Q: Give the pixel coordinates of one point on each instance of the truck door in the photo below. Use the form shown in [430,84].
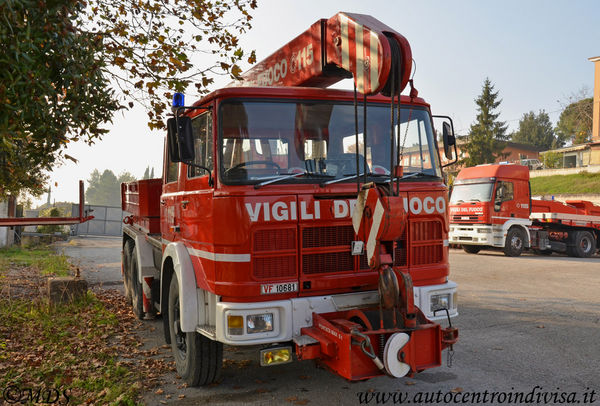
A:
[504,202]
[169,210]
[196,204]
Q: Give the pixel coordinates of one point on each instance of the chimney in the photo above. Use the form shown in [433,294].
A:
[596,111]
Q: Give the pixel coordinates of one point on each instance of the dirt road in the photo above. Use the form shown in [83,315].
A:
[528,324]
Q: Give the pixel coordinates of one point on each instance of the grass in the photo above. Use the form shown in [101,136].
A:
[579,183]
[73,350]
[42,258]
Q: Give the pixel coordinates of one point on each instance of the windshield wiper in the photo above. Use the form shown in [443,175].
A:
[329,182]
[279,178]
[474,200]
[290,176]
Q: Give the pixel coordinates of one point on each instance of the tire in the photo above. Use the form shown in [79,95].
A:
[137,293]
[515,242]
[127,254]
[198,359]
[471,249]
[585,244]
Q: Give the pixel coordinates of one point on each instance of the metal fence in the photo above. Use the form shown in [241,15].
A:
[108,220]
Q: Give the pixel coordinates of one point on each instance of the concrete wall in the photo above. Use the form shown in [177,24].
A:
[564,171]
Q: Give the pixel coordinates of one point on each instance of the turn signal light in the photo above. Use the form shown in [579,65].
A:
[235,325]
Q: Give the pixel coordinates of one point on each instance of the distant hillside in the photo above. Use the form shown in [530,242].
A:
[578,183]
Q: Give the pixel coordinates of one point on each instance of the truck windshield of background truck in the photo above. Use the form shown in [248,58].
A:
[472,192]
[316,140]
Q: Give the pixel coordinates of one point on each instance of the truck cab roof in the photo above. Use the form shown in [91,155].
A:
[504,171]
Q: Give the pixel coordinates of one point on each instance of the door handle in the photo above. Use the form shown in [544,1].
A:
[184,203]
[163,202]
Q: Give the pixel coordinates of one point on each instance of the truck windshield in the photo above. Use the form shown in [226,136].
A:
[473,192]
[262,140]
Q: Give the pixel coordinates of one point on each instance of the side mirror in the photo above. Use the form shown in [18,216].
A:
[449,139]
[180,139]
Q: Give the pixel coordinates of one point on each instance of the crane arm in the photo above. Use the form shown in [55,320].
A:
[345,46]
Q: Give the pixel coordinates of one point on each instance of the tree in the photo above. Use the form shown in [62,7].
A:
[486,135]
[575,122]
[52,90]
[59,59]
[150,45]
[148,173]
[105,189]
[536,129]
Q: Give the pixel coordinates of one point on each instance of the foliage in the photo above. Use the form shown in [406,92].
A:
[150,45]
[536,129]
[51,228]
[52,90]
[105,189]
[148,173]
[575,122]
[486,136]
[583,182]
[59,59]
[552,160]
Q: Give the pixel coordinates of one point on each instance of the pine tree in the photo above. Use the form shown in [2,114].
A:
[487,135]
[152,173]
[146,173]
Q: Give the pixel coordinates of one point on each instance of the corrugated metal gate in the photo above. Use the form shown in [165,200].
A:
[108,220]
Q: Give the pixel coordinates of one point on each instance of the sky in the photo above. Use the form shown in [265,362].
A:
[534,52]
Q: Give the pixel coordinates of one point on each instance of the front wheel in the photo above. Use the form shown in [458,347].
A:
[515,242]
[198,359]
[471,249]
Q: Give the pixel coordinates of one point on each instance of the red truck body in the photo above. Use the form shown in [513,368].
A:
[481,218]
[252,242]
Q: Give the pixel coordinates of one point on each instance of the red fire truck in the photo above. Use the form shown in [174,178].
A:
[303,220]
[491,206]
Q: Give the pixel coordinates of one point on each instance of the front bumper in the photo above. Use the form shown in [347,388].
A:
[476,234]
[289,316]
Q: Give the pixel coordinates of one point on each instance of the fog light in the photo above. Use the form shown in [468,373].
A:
[235,325]
[440,302]
[275,356]
[259,323]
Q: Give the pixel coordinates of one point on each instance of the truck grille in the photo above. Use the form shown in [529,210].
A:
[274,253]
[427,245]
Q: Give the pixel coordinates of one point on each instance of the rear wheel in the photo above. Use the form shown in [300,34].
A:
[198,359]
[471,249]
[515,242]
[137,293]
[585,244]
[127,254]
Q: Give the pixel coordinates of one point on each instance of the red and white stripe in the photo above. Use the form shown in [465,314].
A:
[361,53]
[147,294]
[367,219]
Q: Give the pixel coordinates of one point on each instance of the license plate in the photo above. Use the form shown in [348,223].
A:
[274,288]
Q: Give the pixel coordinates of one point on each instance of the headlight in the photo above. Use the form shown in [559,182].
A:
[259,323]
[440,302]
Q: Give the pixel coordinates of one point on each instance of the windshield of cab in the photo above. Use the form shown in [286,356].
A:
[309,141]
[473,192]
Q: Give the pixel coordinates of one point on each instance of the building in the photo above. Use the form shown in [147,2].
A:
[512,152]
